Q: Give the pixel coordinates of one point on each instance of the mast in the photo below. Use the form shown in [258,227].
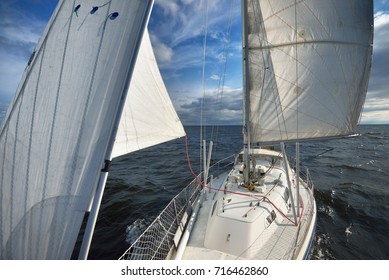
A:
[246,95]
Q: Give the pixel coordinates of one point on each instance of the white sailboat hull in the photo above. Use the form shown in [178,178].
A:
[227,221]
[235,223]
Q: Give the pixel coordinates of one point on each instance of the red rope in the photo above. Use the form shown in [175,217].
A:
[190,165]
[238,193]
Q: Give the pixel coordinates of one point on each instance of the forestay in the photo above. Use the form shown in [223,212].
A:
[56,131]
[309,67]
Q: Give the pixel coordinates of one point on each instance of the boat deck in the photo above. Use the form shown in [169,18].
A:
[281,245]
[195,249]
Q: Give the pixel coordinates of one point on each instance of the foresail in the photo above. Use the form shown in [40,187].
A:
[309,67]
[149,117]
[55,134]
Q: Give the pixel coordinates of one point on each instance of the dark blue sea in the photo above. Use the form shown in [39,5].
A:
[351,177]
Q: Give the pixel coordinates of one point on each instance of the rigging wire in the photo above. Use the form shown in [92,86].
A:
[296,69]
[202,127]
[220,90]
[214,134]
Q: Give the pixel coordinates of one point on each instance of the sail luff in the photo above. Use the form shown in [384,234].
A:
[309,67]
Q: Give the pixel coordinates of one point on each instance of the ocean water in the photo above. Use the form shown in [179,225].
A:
[351,178]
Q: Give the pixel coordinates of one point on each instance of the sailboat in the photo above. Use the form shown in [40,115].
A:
[306,66]
[81,102]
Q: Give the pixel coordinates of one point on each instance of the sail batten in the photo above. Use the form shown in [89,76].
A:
[309,67]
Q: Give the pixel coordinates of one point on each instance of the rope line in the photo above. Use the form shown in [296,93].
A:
[239,193]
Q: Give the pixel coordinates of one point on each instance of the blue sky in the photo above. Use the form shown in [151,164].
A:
[176,29]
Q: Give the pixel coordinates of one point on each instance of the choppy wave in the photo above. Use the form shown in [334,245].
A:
[135,229]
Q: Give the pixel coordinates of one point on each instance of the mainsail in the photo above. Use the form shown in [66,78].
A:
[55,135]
[309,65]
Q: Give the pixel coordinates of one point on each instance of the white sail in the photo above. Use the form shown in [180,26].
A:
[148,117]
[309,67]
[55,134]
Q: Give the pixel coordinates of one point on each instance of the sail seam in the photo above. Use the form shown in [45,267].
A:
[31,136]
[311,116]
[13,165]
[44,193]
[294,140]
[273,46]
[1,190]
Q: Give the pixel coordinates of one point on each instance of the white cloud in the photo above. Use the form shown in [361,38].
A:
[177,28]
[220,107]
[21,35]
[380,18]
[376,109]
[11,70]
[178,23]
[215,77]
[187,2]
[162,52]
[169,7]
[381,31]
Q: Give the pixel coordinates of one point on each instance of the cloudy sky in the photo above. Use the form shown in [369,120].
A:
[177,28]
